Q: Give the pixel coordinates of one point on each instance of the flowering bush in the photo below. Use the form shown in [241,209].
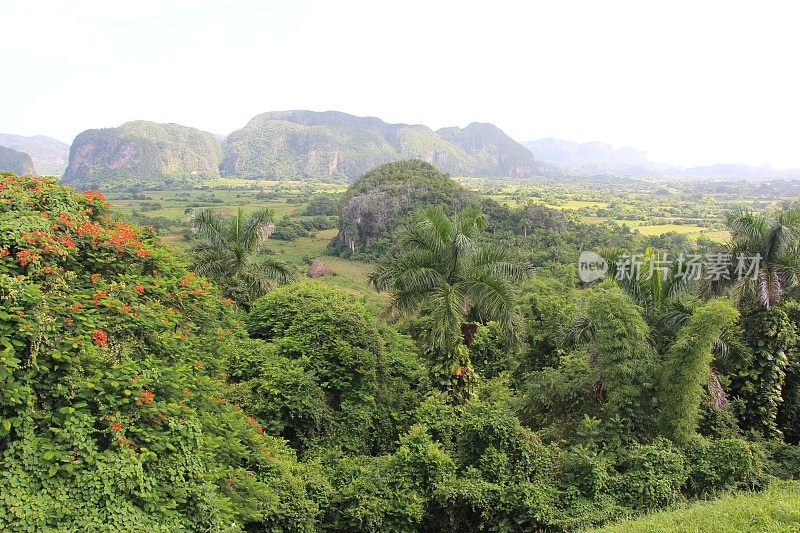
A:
[112,410]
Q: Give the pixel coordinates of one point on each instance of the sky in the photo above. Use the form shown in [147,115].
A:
[688,82]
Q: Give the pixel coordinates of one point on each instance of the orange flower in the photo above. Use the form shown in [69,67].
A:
[126,308]
[26,256]
[94,196]
[116,426]
[100,337]
[95,277]
[139,289]
[145,397]
[77,306]
[97,295]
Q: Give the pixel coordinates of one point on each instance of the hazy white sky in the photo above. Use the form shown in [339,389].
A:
[688,82]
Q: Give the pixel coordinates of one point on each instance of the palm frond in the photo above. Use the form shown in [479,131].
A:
[275,270]
[492,298]
[747,225]
[444,316]
[209,225]
[500,262]
[256,229]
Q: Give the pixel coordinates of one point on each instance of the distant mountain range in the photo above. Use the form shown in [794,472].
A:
[328,145]
[595,158]
[289,145]
[49,155]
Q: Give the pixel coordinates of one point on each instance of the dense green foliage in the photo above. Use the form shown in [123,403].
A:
[113,414]
[325,205]
[440,273]
[134,396]
[355,377]
[761,368]
[687,368]
[291,228]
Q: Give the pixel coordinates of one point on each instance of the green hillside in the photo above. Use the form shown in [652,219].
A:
[494,152]
[334,145]
[142,153]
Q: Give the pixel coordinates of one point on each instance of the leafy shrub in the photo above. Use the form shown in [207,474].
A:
[323,205]
[280,391]
[549,311]
[586,469]
[490,352]
[292,228]
[366,374]
[652,476]
[789,410]
[722,465]
[687,367]
[761,370]
[783,460]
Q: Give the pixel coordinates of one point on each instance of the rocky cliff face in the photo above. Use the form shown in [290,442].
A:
[142,152]
[19,163]
[494,152]
[380,201]
[49,155]
[302,144]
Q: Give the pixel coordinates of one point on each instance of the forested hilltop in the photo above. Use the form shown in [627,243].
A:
[471,382]
[143,154]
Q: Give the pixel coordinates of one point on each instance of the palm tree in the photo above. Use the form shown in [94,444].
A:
[228,251]
[441,273]
[655,285]
[775,239]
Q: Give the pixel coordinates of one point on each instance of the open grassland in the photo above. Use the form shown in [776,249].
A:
[775,510]
[659,229]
